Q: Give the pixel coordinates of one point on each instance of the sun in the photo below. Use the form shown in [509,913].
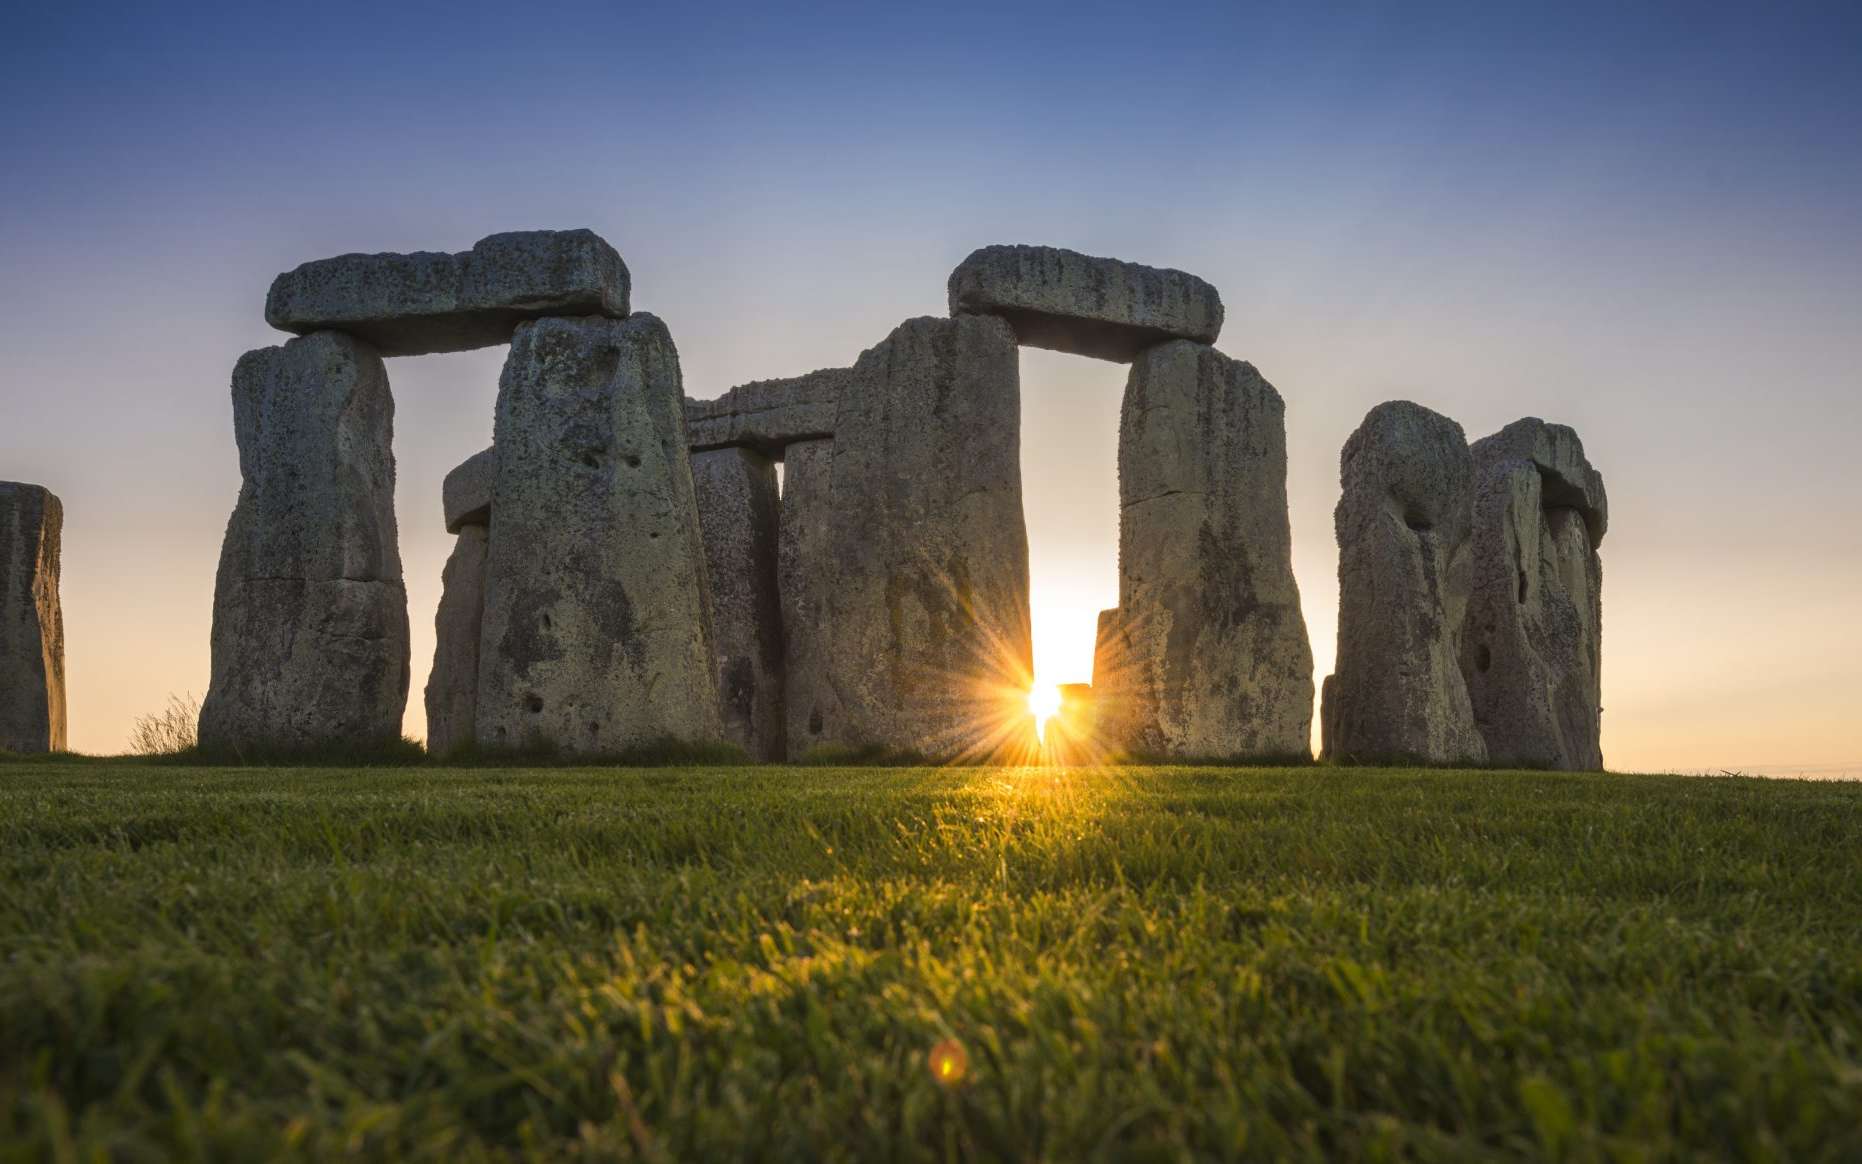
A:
[1044,704]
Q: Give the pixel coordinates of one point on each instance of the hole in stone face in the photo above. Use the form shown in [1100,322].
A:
[533,704]
[590,459]
[1483,658]
[593,728]
[1417,521]
[547,624]
[633,460]
[1522,588]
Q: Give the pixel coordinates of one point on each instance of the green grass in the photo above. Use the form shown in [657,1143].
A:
[695,964]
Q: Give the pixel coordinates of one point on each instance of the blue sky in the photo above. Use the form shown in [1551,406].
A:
[1640,220]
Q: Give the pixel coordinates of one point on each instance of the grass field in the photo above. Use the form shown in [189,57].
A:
[693,964]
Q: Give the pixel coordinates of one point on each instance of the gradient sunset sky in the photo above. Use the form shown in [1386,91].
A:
[1644,221]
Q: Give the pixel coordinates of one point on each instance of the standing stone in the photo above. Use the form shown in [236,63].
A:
[309,613]
[1105,308]
[1403,574]
[452,685]
[32,627]
[1532,650]
[1214,645]
[596,636]
[465,494]
[428,301]
[905,557]
[736,490]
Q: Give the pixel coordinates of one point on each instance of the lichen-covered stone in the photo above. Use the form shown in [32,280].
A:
[407,304]
[452,685]
[597,633]
[904,554]
[1070,302]
[737,506]
[465,494]
[1403,523]
[767,415]
[1213,645]
[1532,646]
[32,629]
[310,649]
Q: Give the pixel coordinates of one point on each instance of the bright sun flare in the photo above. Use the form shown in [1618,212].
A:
[1044,703]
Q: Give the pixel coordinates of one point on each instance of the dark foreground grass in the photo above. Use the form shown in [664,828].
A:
[1136,963]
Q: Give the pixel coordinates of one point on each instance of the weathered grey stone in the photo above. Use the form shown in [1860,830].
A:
[597,633]
[433,302]
[767,415]
[1532,647]
[1089,306]
[310,644]
[32,627]
[1403,574]
[905,557]
[1215,649]
[736,491]
[465,494]
[452,685]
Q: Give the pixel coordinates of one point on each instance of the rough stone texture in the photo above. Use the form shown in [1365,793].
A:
[767,415]
[1403,526]
[452,685]
[32,627]
[905,557]
[1214,645]
[433,302]
[466,493]
[1071,302]
[597,636]
[1532,647]
[309,612]
[736,490]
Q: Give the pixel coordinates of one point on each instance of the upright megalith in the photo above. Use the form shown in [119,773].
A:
[452,685]
[32,627]
[1403,524]
[736,491]
[310,644]
[905,556]
[1532,648]
[1070,302]
[596,636]
[407,304]
[1213,645]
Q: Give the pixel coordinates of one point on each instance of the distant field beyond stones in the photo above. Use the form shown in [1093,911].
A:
[857,964]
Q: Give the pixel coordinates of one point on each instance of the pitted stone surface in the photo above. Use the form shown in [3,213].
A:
[1532,646]
[452,685]
[1403,525]
[767,415]
[597,633]
[906,614]
[736,490]
[1216,658]
[407,304]
[310,643]
[1070,302]
[465,494]
[32,628]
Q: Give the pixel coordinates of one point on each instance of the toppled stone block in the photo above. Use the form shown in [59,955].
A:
[408,304]
[32,628]
[310,648]
[736,491]
[1212,642]
[465,494]
[1070,302]
[1532,647]
[452,685]
[597,630]
[767,415]
[905,557]
[1403,525]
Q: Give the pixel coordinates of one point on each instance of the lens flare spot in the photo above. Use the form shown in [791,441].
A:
[1043,704]
[950,1063]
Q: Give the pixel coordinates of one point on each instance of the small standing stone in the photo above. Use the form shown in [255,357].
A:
[1214,647]
[1403,524]
[452,685]
[310,646]
[1532,651]
[597,633]
[32,629]
[736,490]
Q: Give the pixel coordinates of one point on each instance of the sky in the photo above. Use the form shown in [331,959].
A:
[1644,221]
